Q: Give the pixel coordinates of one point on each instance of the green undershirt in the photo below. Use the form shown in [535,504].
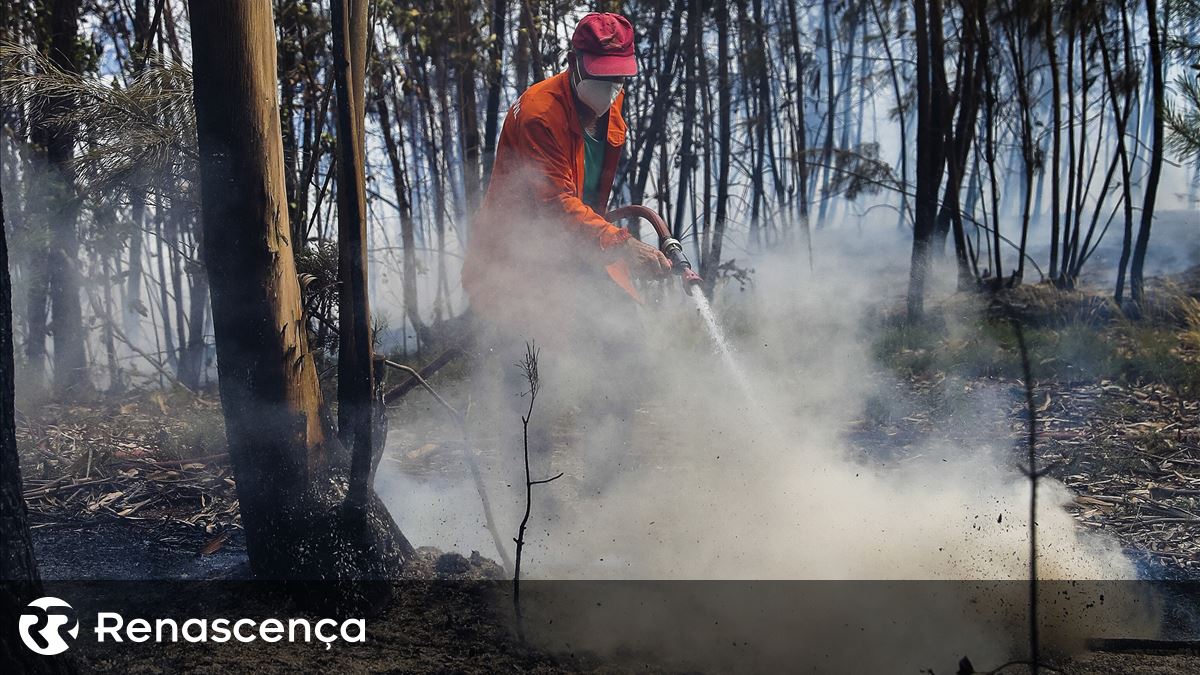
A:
[593,165]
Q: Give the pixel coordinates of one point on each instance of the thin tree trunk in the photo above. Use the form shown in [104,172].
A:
[192,365]
[801,129]
[1071,159]
[706,224]
[931,102]
[724,105]
[468,120]
[16,556]
[1126,163]
[444,188]
[1056,143]
[993,182]
[831,109]
[758,72]
[355,358]
[901,117]
[1016,45]
[529,46]
[495,77]
[175,242]
[958,142]
[656,126]
[687,155]
[164,299]
[62,263]
[1157,88]
[401,188]
[521,56]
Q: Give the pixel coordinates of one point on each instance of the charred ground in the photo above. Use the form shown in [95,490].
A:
[144,481]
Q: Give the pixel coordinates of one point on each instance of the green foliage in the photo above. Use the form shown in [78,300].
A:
[1183,115]
[141,134]
[1183,119]
[1157,356]
[1072,353]
[317,269]
[861,171]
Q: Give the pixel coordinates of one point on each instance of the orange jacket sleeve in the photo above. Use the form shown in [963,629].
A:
[554,186]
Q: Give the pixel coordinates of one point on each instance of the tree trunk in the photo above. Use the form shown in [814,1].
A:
[191,366]
[529,49]
[1056,133]
[468,109]
[931,99]
[724,105]
[687,154]
[62,211]
[393,147]
[801,58]
[355,354]
[959,140]
[18,569]
[831,108]
[990,157]
[37,320]
[290,52]
[1157,88]
[1016,42]
[758,72]
[901,115]
[164,300]
[1126,163]
[495,78]
[290,473]
[1068,214]
[656,125]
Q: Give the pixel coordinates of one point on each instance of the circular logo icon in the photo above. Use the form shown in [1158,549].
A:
[45,625]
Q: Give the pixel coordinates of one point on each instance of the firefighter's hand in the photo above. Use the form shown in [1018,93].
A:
[644,259]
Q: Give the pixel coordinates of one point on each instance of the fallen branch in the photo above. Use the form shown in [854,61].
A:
[418,378]
[461,421]
[42,492]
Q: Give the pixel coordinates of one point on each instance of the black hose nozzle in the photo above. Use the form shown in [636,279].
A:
[670,246]
[679,263]
[674,252]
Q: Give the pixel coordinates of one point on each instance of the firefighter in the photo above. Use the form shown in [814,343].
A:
[540,243]
[542,263]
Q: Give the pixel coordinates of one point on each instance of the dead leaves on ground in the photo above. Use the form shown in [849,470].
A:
[148,459]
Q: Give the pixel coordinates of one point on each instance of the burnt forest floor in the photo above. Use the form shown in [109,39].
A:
[140,486]
[1117,404]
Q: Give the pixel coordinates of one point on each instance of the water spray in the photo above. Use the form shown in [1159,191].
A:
[671,248]
[669,245]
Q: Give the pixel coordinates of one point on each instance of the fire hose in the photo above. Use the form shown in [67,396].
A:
[669,245]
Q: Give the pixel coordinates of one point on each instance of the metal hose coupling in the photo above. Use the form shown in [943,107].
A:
[669,245]
[679,263]
[674,252]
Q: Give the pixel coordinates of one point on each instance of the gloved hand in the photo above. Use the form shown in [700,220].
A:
[645,260]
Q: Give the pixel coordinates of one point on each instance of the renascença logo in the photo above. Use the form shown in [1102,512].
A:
[45,623]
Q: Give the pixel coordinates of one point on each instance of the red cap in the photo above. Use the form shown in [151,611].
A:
[605,44]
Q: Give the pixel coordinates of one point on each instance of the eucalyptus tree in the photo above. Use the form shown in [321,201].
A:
[291,472]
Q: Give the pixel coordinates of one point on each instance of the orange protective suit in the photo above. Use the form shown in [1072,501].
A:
[535,250]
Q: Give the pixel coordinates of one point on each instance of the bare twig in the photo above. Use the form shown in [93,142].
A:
[458,419]
[1032,472]
[530,368]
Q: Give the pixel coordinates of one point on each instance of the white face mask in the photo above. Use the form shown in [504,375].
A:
[598,95]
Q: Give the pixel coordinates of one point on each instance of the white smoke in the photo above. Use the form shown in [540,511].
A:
[699,484]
